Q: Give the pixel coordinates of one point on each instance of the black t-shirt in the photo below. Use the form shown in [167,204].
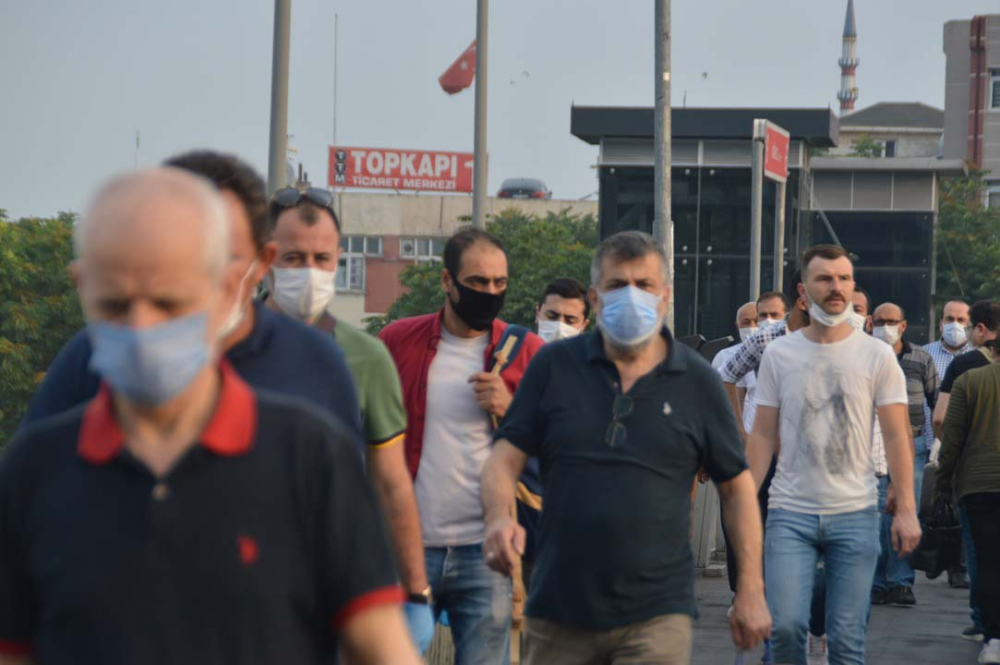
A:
[613,545]
[257,545]
[960,365]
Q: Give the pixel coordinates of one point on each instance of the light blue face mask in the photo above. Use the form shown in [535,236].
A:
[629,316]
[150,365]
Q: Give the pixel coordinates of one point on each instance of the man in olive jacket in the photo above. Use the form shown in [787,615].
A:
[969,462]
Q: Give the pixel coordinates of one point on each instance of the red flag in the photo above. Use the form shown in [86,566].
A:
[459,76]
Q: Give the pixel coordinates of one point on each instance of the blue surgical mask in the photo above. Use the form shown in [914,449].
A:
[150,365]
[629,316]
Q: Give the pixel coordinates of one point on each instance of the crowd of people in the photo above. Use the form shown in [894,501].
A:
[218,469]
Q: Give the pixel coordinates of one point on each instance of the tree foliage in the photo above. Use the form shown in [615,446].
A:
[866,146]
[539,250]
[968,241]
[39,310]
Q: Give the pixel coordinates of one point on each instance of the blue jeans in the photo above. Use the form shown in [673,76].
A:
[478,602]
[793,544]
[891,572]
[970,565]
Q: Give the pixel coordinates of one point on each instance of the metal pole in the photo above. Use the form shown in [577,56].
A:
[663,223]
[336,43]
[278,147]
[479,145]
[779,237]
[756,200]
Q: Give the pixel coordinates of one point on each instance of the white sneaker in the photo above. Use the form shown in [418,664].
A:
[816,654]
[990,652]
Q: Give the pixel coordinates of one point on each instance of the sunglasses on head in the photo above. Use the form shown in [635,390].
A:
[289,197]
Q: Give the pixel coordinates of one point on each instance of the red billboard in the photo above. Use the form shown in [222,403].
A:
[385,168]
[776,142]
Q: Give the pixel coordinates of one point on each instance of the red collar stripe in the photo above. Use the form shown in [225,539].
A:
[230,432]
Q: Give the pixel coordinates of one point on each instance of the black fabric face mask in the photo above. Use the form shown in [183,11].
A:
[477,309]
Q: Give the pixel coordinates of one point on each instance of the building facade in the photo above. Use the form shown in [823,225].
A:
[896,129]
[972,96]
[385,233]
[883,210]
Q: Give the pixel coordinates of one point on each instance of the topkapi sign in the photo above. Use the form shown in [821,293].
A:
[383,168]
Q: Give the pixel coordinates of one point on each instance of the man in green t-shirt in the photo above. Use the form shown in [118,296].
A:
[301,284]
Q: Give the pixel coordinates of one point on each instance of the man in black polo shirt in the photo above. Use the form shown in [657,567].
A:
[621,419]
[179,517]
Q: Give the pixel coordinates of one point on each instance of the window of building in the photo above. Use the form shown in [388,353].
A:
[422,248]
[889,149]
[995,88]
[351,268]
[993,196]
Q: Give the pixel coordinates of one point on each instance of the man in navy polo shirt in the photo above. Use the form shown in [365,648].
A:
[621,420]
[180,517]
[266,349]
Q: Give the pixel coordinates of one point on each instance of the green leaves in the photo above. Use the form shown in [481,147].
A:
[539,250]
[39,311]
[968,241]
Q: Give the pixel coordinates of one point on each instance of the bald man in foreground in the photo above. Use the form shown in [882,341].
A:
[180,517]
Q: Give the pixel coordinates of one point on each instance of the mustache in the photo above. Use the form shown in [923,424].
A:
[835,298]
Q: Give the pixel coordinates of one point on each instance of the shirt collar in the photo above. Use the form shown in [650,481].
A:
[674,362]
[230,432]
[496,331]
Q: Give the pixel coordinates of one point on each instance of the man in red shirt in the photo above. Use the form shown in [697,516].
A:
[451,397]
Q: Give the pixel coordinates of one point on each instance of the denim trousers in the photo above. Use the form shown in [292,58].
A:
[891,572]
[848,546]
[477,600]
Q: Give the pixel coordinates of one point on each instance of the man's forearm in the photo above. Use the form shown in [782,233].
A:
[760,452]
[737,406]
[498,490]
[399,503]
[899,455]
[742,517]
[940,410]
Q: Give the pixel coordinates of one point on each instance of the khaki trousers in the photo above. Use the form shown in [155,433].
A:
[664,640]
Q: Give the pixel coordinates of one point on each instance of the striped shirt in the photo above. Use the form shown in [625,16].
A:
[747,358]
[922,383]
[942,356]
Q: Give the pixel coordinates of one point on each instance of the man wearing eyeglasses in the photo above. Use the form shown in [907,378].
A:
[621,419]
[305,230]
[894,578]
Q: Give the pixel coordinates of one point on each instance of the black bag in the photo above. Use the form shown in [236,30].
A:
[940,546]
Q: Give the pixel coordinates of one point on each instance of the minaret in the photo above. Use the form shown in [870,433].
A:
[848,63]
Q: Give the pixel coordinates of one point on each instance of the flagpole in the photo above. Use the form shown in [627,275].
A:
[479,144]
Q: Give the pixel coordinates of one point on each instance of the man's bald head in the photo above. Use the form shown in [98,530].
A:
[746,316]
[890,311]
[152,210]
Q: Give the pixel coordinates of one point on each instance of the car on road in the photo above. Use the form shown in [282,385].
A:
[523,188]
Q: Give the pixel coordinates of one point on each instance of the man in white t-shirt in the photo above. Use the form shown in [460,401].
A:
[817,389]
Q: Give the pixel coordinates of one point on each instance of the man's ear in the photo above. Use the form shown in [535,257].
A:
[902,327]
[446,281]
[594,299]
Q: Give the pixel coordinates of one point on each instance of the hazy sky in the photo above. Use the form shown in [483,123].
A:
[79,78]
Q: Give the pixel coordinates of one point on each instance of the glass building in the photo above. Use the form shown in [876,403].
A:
[881,210]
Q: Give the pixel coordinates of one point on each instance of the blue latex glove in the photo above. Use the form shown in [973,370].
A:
[420,620]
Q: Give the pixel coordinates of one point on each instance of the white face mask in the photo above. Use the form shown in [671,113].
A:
[858,321]
[235,317]
[303,293]
[888,334]
[822,317]
[767,323]
[745,333]
[955,335]
[551,331]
